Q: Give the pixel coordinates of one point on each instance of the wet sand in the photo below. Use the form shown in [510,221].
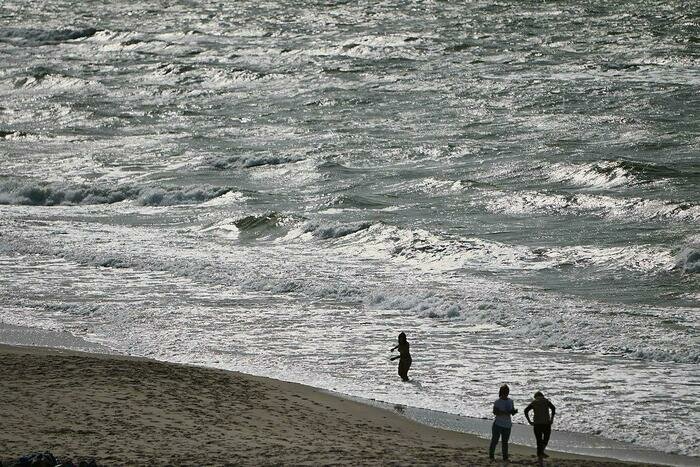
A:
[132,411]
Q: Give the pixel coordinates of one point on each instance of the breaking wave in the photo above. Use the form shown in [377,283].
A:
[158,196]
[274,225]
[12,134]
[255,226]
[426,250]
[550,321]
[36,193]
[527,202]
[30,37]
[335,231]
[229,162]
[688,259]
[46,78]
[426,304]
[256,223]
[366,201]
[609,174]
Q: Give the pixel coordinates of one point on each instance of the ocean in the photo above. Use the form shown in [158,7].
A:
[282,187]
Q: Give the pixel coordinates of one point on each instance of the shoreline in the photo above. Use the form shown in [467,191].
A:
[561,441]
[133,410]
[462,433]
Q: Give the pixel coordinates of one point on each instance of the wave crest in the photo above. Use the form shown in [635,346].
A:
[259,225]
[357,201]
[527,202]
[157,196]
[324,232]
[34,37]
[425,250]
[246,162]
[36,193]
[41,77]
[610,173]
[601,174]
[426,304]
[688,259]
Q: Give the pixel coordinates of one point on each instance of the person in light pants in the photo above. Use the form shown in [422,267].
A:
[503,408]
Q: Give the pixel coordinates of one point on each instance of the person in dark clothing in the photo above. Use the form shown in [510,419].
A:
[542,423]
[503,408]
[404,356]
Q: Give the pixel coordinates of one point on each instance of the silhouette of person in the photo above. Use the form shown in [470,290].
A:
[404,356]
[503,408]
[542,423]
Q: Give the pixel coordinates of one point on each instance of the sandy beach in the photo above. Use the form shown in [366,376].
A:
[133,411]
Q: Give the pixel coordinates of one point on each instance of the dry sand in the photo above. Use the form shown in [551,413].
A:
[130,411]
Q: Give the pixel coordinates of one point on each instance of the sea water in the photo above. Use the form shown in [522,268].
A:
[282,187]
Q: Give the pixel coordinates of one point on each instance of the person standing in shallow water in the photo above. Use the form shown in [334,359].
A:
[542,423]
[503,408]
[404,356]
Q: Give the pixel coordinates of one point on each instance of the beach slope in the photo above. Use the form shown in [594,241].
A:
[132,411]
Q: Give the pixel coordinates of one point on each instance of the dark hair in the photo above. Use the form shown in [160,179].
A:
[402,338]
[538,394]
[504,391]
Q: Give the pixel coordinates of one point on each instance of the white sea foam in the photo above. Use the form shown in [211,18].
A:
[380,47]
[525,202]
[563,323]
[430,252]
[226,229]
[439,186]
[52,82]
[605,174]
[229,198]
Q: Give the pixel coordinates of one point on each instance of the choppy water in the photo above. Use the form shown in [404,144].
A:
[282,187]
